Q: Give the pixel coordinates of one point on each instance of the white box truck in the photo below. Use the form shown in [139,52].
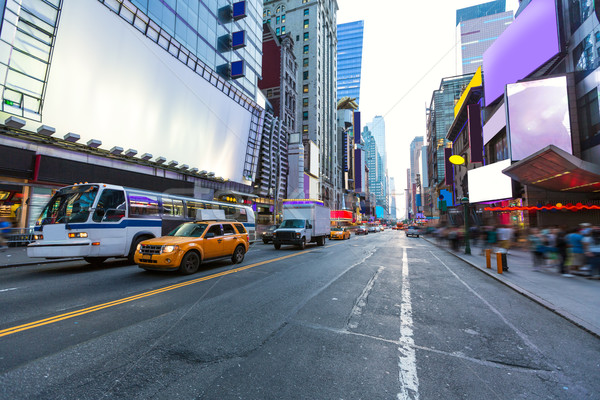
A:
[303,222]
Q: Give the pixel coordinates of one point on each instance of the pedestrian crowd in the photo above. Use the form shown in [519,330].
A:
[571,251]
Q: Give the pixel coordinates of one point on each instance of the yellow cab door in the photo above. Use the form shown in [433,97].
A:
[229,239]
[213,242]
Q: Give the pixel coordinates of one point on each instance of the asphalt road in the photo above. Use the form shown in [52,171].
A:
[374,317]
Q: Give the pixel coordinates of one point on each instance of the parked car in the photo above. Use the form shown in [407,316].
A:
[267,236]
[339,233]
[361,230]
[373,228]
[412,231]
[192,243]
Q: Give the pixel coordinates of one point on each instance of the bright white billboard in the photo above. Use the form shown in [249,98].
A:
[488,183]
[109,82]
[538,116]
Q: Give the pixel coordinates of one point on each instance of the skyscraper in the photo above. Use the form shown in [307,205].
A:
[440,116]
[314,31]
[476,29]
[349,55]
[377,129]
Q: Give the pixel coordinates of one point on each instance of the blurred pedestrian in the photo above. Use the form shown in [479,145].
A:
[536,246]
[505,235]
[4,228]
[575,252]
[593,254]
[561,249]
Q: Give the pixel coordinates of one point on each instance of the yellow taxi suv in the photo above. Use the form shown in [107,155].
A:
[339,233]
[192,243]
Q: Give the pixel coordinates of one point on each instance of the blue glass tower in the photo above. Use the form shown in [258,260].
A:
[349,57]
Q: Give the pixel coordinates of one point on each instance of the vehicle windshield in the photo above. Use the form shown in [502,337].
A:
[272,228]
[336,229]
[69,205]
[293,223]
[188,229]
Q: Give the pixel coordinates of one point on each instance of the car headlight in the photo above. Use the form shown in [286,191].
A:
[169,249]
[139,248]
[38,237]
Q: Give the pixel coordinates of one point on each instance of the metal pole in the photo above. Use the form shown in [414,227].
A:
[465,202]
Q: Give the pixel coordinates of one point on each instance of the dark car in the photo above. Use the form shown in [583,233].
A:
[361,230]
[267,236]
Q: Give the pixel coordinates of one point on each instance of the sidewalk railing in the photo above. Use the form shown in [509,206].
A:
[16,237]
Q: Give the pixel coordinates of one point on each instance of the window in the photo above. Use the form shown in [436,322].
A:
[282,30]
[278,9]
[192,209]
[277,20]
[305,1]
[240,228]
[305,36]
[304,128]
[305,62]
[228,229]
[589,118]
[305,75]
[305,49]
[111,206]
[142,205]
[269,21]
[216,230]
[283,19]
[305,24]
[305,102]
[305,115]
[269,92]
[305,89]
[306,11]
[172,207]
[277,32]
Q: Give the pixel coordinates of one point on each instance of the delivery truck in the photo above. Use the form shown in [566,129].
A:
[303,222]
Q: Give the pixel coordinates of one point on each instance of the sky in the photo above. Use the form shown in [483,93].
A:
[408,48]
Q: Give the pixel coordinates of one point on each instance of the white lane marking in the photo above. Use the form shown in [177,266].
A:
[361,302]
[9,289]
[407,363]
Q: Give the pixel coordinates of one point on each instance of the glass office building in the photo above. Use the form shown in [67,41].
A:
[476,29]
[349,55]
[197,25]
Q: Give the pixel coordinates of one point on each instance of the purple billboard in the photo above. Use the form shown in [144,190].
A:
[528,43]
[538,116]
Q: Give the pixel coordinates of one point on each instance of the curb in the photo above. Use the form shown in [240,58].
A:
[24,264]
[541,301]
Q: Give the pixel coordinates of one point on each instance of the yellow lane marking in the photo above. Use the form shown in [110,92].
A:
[76,313]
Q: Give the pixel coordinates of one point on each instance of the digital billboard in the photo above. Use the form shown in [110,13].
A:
[489,183]
[109,82]
[538,116]
[528,43]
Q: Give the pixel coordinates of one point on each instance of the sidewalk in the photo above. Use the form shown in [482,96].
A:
[576,299]
[15,256]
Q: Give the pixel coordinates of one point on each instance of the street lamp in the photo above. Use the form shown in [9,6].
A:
[465,203]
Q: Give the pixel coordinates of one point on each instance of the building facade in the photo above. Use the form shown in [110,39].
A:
[349,58]
[476,29]
[162,94]
[313,27]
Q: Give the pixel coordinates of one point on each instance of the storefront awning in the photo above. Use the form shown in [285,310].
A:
[556,170]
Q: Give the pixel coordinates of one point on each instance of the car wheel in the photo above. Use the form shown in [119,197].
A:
[302,244]
[277,246]
[95,260]
[134,245]
[190,263]
[238,255]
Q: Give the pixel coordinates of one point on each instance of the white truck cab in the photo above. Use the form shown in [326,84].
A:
[303,223]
